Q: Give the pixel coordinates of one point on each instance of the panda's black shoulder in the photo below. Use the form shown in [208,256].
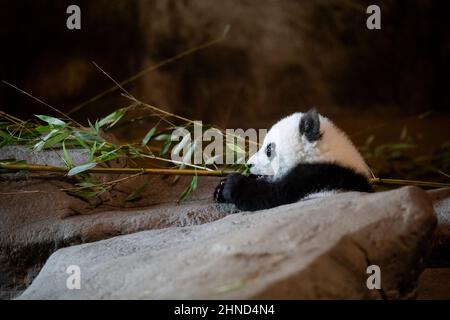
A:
[323,176]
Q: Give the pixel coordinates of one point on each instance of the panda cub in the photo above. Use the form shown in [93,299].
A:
[302,155]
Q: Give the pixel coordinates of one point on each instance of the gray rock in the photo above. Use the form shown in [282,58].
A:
[315,249]
[434,283]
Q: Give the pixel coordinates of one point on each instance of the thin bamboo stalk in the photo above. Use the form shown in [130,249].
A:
[147,70]
[402,182]
[193,172]
[178,172]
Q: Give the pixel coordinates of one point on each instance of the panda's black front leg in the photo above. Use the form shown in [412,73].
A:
[248,193]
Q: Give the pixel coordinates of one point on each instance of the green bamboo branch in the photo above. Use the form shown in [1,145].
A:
[149,171]
[402,182]
[192,172]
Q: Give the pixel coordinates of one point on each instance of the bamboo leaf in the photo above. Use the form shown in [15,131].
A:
[194,183]
[148,136]
[134,152]
[235,148]
[111,119]
[245,170]
[4,135]
[185,194]
[92,152]
[41,144]
[165,148]
[175,179]
[369,140]
[42,129]
[189,189]
[82,143]
[5,138]
[50,134]
[55,139]
[87,137]
[163,137]
[82,168]
[94,127]
[137,194]
[66,156]
[52,121]
[86,184]
[107,156]
[85,195]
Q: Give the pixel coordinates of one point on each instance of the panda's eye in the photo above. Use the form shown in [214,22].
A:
[270,150]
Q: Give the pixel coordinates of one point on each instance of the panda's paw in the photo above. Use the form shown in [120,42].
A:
[226,189]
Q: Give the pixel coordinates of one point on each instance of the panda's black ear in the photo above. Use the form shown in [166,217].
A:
[310,125]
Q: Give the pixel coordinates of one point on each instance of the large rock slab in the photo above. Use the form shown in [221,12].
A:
[314,249]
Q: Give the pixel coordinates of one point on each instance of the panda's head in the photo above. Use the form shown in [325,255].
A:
[304,138]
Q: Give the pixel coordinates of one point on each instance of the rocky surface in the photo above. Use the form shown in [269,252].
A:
[441,248]
[318,248]
[221,259]
[37,218]
[34,225]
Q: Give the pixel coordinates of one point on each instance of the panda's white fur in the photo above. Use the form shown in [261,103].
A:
[292,148]
[303,156]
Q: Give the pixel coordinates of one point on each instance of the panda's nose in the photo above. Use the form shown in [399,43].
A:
[250,165]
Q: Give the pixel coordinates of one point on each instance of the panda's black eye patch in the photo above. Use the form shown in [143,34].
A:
[270,150]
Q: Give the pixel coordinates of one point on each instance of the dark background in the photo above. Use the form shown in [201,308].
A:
[279,57]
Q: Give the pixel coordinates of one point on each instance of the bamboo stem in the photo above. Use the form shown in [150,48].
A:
[193,172]
[402,182]
[152,171]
